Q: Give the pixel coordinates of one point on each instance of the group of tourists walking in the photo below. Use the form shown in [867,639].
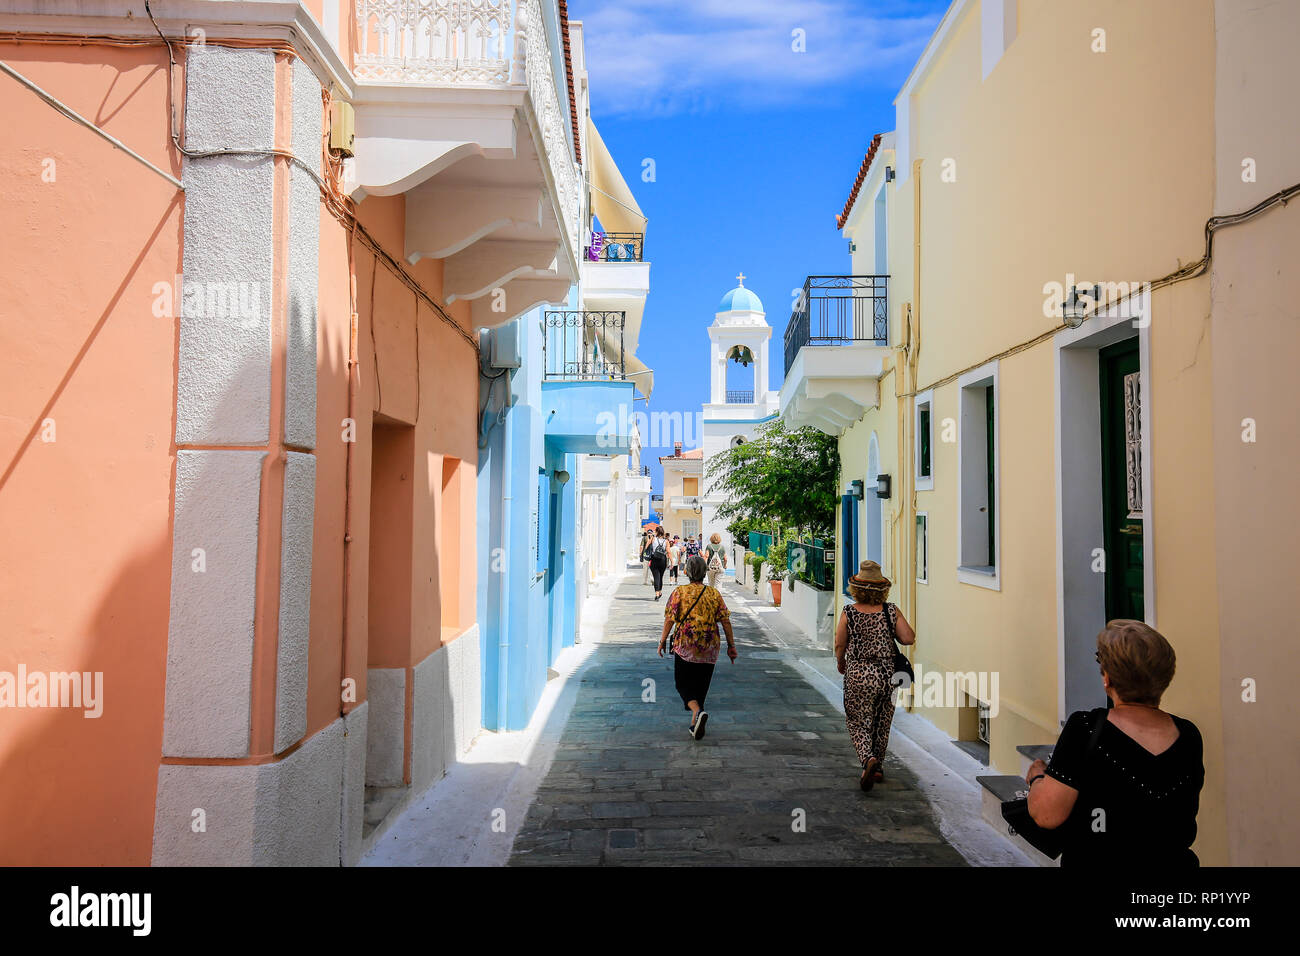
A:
[1130,764]
[663,554]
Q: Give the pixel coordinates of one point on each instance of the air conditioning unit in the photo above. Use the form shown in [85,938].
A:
[505,348]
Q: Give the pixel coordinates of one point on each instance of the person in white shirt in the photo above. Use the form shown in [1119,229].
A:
[674,557]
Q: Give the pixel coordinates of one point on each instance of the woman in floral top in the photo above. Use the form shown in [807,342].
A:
[698,610]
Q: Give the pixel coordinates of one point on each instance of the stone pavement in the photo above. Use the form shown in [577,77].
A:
[774,781]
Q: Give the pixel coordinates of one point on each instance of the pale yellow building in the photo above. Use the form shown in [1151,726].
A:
[683,491]
[1042,478]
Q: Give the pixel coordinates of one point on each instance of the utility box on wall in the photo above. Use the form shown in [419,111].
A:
[343,127]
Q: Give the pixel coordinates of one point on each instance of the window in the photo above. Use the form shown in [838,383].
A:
[922,547]
[978,497]
[924,441]
[690,487]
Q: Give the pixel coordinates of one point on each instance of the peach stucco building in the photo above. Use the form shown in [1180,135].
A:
[239,429]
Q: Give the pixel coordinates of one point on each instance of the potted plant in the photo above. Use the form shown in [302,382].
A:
[777,571]
[756,566]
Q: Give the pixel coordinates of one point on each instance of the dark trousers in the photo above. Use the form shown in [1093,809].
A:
[658,565]
[673,569]
[692,680]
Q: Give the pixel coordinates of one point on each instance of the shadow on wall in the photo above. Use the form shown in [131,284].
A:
[78,790]
[73,789]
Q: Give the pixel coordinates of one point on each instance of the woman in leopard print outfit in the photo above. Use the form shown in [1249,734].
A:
[864,652]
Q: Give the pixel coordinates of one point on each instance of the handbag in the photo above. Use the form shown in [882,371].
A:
[672,635]
[901,664]
[1050,843]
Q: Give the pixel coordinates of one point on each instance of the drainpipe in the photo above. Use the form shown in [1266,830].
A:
[353,322]
[487,421]
[503,618]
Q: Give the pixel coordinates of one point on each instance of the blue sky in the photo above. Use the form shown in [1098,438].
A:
[755,148]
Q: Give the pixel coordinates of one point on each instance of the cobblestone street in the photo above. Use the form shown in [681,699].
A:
[775,779]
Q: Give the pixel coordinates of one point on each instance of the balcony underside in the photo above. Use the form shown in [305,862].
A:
[482,192]
[831,387]
[588,417]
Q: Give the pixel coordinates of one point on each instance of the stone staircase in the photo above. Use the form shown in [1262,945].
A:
[1001,787]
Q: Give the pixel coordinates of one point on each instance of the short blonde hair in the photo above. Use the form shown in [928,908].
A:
[715,538]
[869,593]
[1138,660]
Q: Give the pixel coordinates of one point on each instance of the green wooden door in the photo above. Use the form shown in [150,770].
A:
[1121,464]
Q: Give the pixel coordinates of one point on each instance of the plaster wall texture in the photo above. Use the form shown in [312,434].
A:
[386,727]
[285,813]
[295,599]
[224,374]
[210,633]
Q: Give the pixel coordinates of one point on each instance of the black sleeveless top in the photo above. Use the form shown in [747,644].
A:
[1134,807]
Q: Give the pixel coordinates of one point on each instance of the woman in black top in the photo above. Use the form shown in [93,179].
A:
[658,560]
[1124,783]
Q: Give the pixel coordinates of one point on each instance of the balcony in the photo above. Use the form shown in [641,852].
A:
[737,396]
[616,278]
[836,347]
[616,247]
[583,346]
[685,502]
[459,108]
[838,310]
[586,392]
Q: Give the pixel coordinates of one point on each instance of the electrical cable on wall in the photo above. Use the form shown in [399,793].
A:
[1190,271]
[330,192]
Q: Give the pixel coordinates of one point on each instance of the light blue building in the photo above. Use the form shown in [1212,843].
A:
[546,402]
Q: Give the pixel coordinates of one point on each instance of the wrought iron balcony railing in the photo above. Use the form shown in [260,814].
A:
[838,310]
[583,346]
[736,396]
[616,247]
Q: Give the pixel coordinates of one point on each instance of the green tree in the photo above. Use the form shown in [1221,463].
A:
[780,480]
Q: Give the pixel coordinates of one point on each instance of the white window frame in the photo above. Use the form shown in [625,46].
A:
[922,398]
[984,376]
[923,577]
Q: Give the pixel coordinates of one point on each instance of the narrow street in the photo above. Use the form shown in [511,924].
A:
[774,781]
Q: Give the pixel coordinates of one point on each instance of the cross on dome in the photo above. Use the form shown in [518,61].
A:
[741,279]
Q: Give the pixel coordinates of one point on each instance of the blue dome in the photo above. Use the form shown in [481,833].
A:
[740,299]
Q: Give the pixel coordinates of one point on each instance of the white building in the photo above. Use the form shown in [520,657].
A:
[739,399]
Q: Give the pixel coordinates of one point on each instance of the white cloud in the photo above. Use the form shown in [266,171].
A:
[669,56]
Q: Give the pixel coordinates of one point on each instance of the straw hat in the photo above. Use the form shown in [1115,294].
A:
[869,575]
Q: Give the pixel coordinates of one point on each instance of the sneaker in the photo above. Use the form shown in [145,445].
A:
[697,729]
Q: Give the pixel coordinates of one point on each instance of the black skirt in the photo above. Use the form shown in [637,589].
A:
[692,680]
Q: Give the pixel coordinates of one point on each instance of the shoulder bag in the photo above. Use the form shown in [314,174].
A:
[901,664]
[677,623]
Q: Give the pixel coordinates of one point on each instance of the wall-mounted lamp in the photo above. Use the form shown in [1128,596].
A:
[695,504]
[882,486]
[889,174]
[1074,311]
[855,490]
